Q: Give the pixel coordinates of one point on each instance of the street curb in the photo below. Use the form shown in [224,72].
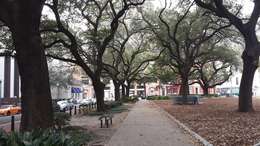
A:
[192,133]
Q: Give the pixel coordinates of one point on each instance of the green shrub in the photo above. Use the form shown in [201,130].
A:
[130,99]
[78,134]
[112,104]
[158,98]
[210,95]
[61,119]
[38,137]
[118,109]
[115,104]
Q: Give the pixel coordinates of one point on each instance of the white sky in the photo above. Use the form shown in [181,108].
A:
[246,10]
[247,4]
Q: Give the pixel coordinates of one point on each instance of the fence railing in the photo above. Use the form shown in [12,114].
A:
[75,110]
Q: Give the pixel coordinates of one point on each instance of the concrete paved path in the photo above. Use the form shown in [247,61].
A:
[146,125]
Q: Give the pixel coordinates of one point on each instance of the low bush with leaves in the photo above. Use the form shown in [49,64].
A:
[48,137]
[130,99]
[158,98]
[210,96]
[61,119]
[113,104]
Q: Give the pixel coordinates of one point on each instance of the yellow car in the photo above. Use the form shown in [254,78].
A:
[8,110]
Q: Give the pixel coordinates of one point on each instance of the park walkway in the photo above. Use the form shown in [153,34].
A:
[146,125]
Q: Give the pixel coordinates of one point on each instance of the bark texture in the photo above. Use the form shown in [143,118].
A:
[99,88]
[117,90]
[24,20]
[245,91]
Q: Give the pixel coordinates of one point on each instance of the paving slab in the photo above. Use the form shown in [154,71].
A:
[146,125]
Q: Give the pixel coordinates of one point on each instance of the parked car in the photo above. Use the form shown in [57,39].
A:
[9,110]
[74,101]
[85,101]
[93,100]
[64,105]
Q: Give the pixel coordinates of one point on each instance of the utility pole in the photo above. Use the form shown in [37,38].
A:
[7,71]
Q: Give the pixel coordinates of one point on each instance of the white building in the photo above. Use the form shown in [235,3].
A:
[232,85]
[12,79]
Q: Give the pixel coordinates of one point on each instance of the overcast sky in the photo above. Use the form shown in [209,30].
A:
[247,4]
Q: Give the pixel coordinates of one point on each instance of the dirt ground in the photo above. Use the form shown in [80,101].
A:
[100,135]
[218,121]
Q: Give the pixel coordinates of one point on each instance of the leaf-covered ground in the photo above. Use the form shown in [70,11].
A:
[218,121]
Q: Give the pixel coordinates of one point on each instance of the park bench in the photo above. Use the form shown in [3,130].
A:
[107,118]
[193,99]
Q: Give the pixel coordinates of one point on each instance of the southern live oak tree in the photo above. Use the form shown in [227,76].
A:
[23,20]
[55,71]
[184,33]
[6,42]
[215,68]
[101,20]
[162,70]
[134,50]
[113,56]
[128,55]
[251,52]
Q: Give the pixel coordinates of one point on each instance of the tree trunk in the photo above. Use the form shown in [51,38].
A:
[128,86]
[245,92]
[99,88]
[32,64]
[145,95]
[159,88]
[184,91]
[127,90]
[205,90]
[123,90]
[117,90]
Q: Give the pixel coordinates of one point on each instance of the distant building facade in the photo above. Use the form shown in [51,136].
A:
[9,78]
[231,87]
[81,86]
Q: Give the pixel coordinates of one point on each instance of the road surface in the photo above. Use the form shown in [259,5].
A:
[5,122]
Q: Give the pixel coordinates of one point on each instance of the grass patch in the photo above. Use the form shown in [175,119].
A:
[158,98]
[114,107]
[119,109]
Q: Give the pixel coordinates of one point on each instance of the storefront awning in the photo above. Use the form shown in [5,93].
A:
[75,90]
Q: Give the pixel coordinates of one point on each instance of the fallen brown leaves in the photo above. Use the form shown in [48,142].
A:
[218,121]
